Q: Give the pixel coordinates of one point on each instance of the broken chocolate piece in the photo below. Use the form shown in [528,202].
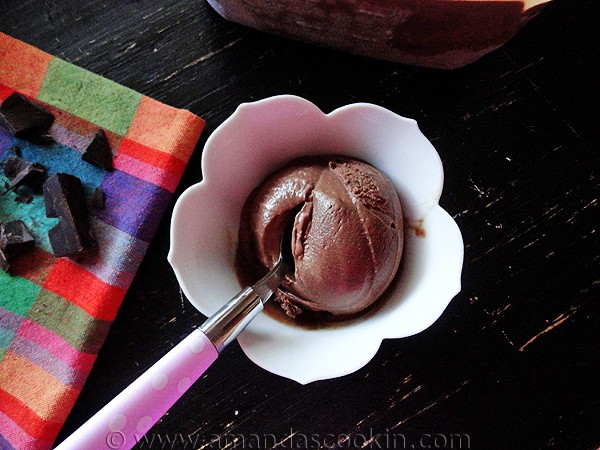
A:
[17,150]
[25,119]
[21,172]
[99,153]
[64,199]
[99,199]
[12,165]
[4,265]
[15,237]
[24,196]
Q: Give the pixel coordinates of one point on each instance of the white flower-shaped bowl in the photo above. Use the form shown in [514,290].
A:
[260,138]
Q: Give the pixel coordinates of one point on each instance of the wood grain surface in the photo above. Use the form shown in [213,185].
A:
[514,361]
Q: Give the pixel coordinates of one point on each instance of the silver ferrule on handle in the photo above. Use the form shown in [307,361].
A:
[229,321]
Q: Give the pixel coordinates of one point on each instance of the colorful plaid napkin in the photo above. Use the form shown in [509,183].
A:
[56,312]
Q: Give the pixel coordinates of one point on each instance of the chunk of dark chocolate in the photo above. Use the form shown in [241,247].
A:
[64,199]
[25,119]
[99,153]
[17,150]
[15,237]
[99,199]
[12,166]
[21,172]
[24,196]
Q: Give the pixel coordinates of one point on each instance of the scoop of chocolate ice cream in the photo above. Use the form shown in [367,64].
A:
[347,234]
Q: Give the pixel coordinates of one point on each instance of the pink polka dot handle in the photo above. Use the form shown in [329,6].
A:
[123,421]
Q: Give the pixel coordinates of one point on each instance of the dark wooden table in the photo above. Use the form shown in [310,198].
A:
[514,361]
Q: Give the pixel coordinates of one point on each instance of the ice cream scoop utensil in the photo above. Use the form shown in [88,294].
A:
[126,418]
